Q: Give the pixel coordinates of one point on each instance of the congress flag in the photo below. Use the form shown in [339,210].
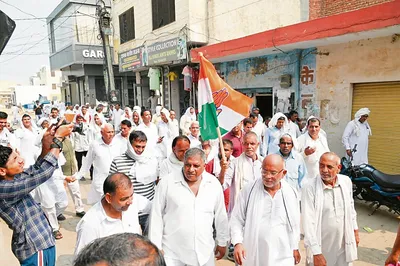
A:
[219,104]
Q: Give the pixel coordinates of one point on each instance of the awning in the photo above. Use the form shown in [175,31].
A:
[372,22]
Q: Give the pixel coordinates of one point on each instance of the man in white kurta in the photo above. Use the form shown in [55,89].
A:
[26,138]
[101,153]
[194,135]
[174,162]
[357,132]
[117,114]
[117,212]
[123,136]
[185,207]
[174,124]
[247,168]
[328,215]
[311,145]
[150,129]
[265,222]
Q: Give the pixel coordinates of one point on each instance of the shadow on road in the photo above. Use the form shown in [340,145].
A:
[65,260]
[372,255]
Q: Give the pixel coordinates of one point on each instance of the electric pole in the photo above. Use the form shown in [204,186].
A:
[105,33]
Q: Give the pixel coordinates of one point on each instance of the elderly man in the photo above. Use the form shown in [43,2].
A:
[32,233]
[185,207]
[311,145]
[194,135]
[357,132]
[174,162]
[265,223]
[236,137]
[133,249]
[294,162]
[141,166]
[101,153]
[328,215]
[247,168]
[117,212]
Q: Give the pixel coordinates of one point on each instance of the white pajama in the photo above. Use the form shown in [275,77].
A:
[175,262]
[75,193]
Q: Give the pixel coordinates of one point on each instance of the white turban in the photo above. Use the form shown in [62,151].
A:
[357,116]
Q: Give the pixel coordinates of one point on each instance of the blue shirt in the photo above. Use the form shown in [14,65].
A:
[296,169]
[271,143]
[31,229]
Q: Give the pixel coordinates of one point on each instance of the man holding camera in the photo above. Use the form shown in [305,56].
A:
[32,240]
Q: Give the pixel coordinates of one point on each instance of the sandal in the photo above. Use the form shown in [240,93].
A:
[57,235]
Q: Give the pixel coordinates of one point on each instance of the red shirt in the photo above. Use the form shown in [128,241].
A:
[237,143]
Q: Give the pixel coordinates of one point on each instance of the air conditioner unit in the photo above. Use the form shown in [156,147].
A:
[286,81]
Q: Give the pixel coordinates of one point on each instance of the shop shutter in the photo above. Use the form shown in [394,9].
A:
[383,99]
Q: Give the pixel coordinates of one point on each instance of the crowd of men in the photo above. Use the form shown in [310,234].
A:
[270,183]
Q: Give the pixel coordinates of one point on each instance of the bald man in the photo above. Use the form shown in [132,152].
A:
[328,215]
[268,210]
[101,153]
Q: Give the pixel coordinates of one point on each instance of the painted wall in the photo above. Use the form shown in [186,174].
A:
[234,19]
[372,60]
[265,72]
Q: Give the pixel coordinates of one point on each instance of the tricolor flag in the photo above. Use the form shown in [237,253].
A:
[219,104]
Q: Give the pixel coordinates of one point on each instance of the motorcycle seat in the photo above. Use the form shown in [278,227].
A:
[385,180]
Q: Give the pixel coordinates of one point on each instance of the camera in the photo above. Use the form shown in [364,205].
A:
[77,127]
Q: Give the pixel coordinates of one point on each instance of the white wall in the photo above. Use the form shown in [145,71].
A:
[231,19]
[372,60]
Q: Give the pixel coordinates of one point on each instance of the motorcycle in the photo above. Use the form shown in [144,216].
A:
[372,185]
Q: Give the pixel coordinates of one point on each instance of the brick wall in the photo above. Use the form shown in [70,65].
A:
[324,8]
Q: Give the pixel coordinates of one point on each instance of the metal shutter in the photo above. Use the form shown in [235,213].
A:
[383,99]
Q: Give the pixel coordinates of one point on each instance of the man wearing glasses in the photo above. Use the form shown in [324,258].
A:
[357,132]
[265,222]
[294,162]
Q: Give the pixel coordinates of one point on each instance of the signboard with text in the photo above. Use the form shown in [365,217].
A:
[166,51]
[131,59]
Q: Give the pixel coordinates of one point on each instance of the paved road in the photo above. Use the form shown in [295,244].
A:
[373,248]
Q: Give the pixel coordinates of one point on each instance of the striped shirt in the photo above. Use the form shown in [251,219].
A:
[31,229]
[123,164]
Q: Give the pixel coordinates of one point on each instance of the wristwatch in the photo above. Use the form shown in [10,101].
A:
[56,144]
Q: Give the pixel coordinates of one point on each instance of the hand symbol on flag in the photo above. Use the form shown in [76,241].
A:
[219,97]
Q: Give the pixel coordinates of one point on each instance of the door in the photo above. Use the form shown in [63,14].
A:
[264,103]
[383,100]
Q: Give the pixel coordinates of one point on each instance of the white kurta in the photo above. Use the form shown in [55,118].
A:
[271,225]
[164,130]
[312,160]
[181,224]
[350,139]
[169,165]
[151,132]
[101,156]
[194,142]
[96,223]
[329,220]
[117,117]
[174,128]
[27,148]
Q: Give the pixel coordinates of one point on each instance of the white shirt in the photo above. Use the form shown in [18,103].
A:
[101,156]
[81,142]
[181,223]
[174,128]
[96,224]
[294,129]
[350,139]
[194,142]
[123,142]
[7,138]
[151,133]
[27,148]
[169,165]
[117,116]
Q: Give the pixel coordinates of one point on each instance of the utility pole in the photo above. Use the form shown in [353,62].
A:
[105,33]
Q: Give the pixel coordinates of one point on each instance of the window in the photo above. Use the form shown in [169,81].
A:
[54,86]
[53,74]
[163,12]
[127,26]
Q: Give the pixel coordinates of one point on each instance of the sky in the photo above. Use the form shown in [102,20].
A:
[28,49]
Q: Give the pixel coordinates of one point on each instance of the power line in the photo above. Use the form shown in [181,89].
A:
[46,36]
[44,18]
[19,9]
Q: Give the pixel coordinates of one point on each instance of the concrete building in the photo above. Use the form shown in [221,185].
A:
[334,64]
[76,50]
[157,34]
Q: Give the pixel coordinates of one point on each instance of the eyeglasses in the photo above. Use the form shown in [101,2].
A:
[269,173]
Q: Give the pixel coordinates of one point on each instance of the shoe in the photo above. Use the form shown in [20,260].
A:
[57,235]
[82,179]
[80,214]
[61,217]
[230,257]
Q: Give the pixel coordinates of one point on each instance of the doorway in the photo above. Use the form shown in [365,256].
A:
[265,104]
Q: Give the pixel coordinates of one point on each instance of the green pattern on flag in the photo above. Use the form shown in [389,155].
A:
[208,121]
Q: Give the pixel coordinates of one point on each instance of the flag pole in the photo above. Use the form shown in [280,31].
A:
[221,145]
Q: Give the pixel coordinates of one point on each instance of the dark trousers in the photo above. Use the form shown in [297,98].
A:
[144,224]
[79,155]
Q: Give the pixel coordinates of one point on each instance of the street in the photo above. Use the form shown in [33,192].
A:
[373,249]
